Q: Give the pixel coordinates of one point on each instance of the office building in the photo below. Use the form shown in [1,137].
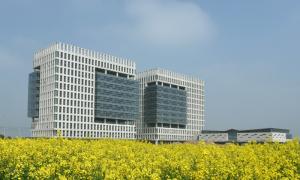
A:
[263,135]
[171,105]
[79,93]
[244,136]
[218,136]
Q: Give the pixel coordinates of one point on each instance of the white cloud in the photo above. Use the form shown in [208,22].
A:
[169,22]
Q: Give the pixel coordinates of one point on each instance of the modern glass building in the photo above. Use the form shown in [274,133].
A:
[172,106]
[81,93]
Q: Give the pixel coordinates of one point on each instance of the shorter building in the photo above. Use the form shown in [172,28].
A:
[243,136]
[263,135]
[219,136]
[171,106]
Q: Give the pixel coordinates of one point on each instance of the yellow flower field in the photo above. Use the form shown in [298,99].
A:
[118,159]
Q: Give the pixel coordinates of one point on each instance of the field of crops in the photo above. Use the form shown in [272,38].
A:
[115,159]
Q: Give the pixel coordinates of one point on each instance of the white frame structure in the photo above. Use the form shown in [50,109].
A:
[67,92]
[195,107]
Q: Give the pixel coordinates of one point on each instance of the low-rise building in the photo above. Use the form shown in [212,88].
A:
[218,136]
[263,135]
[243,136]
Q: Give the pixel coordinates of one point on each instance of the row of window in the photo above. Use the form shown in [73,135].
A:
[67,102]
[159,131]
[71,110]
[72,72]
[68,79]
[71,87]
[101,127]
[66,94]
[166,137]
[74,118]
[194,86]
[89,61]
[81,134]
[87,134]
[73,65]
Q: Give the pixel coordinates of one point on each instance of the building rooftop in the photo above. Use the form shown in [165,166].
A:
[70,48]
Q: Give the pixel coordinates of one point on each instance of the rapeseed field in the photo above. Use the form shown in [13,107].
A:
[60,158]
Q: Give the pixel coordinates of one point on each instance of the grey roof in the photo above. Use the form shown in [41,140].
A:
[266,130]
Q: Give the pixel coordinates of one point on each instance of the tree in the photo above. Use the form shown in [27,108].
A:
[1,136]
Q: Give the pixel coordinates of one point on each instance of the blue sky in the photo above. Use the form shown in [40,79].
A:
[246,51]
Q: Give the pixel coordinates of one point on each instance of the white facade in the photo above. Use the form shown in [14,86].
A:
[195,107]
[67,92]
[214,137]
[261,137]
[244,136]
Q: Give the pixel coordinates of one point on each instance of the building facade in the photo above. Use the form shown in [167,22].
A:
[77,93]
[263,135]
[244,136]
[219,136]
[171,105]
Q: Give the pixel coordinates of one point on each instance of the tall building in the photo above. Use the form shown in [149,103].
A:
[80,93]
[172,106]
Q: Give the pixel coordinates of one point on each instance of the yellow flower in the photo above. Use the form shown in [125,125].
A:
[60,158]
